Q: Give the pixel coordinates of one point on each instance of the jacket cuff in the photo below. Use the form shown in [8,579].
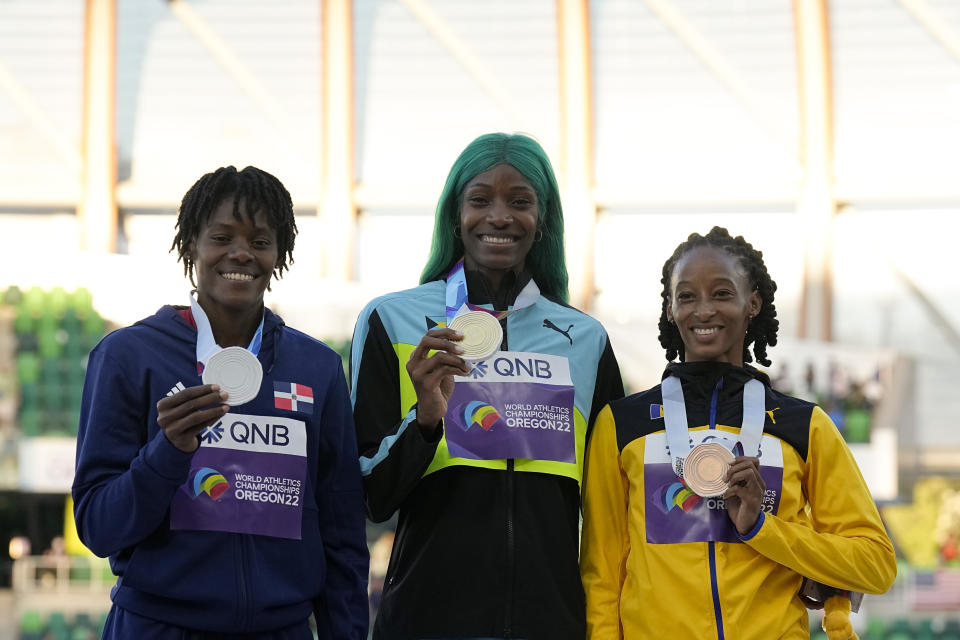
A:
[166,460]
[756,528]
[434,438]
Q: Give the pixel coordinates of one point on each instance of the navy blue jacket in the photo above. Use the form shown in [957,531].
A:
[128,472]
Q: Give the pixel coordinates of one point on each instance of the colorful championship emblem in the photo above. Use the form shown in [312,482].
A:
[479,413]
[676,494]
[211,482]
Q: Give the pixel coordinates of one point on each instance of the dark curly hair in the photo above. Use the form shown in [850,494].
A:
[762,330]
[259,190]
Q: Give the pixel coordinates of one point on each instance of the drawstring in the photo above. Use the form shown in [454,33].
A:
[277,336]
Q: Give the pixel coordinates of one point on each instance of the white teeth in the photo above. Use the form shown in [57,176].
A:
[705,332]
[497,239]
[242,277]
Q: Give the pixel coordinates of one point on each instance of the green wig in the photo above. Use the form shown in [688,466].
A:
[545,261]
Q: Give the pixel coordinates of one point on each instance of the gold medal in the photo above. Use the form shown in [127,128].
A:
[482,335]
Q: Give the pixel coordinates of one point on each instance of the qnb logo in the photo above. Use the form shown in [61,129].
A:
[518,367]
[210,482]
[213,433]
[479,370]
[479,413]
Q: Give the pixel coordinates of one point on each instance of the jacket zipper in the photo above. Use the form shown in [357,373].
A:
[511,543]
[711,546]
[508,609]
[243,598]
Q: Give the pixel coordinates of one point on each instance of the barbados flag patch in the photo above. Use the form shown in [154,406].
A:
[656,411]
[293,397]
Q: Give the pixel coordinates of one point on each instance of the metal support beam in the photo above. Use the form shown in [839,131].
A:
[98,207]
[816,201]
[935,25]
[473,64]
[235,67]
[337,209]
[724,70]
[576,146]
[31,110]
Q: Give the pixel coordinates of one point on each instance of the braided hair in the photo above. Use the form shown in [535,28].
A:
[257,189]
[762,330]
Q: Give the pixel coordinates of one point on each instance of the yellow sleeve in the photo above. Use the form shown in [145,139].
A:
[847,546]
[604,543]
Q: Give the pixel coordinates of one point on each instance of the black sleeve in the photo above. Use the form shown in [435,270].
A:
[393,452]
[609,384]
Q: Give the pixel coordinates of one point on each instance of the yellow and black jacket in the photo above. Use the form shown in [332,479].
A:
[659,562]
[484,548]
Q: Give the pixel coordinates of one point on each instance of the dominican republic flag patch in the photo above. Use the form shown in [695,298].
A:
[293,397]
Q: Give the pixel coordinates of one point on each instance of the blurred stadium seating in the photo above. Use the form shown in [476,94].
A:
[53,331]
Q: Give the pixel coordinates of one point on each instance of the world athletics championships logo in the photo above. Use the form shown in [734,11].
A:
[211,482]
[675,494]
[480,413]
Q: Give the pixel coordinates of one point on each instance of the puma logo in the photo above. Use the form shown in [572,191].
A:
[770,413]
[549,325]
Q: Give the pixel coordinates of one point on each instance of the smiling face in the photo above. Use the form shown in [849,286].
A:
[234,260]
[711,302]
[498,222]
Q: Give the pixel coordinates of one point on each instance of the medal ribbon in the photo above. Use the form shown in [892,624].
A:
[206,344]
[675,420]
[457,299]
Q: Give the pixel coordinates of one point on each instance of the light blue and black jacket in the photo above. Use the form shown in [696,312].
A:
[484,548]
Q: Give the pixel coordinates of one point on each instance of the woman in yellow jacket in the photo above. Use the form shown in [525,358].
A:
[712,541]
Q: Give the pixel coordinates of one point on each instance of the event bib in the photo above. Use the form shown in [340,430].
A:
[248,476]
[674,513]
[513,405]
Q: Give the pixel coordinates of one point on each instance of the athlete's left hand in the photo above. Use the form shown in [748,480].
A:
[744,495]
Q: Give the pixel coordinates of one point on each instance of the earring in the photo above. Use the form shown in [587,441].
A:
[456,231]
[538,236]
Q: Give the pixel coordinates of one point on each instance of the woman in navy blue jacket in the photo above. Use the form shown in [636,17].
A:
[224,517]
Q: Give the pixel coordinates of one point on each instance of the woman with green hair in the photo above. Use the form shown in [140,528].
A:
[481,454]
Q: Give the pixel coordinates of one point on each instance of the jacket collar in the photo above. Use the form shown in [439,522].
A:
[700,378]
[480,292]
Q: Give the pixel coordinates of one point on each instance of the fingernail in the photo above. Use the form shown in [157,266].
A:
[224,395]
[457,349]
[214,387]
[457,333]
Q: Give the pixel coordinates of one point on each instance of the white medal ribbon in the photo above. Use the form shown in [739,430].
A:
[675,420]
[206,344]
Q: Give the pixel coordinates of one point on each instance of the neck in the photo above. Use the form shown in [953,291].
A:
[233,328]
[496,279]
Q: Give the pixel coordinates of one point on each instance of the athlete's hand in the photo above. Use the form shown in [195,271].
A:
[185,414]
[432,375]
[744,495]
